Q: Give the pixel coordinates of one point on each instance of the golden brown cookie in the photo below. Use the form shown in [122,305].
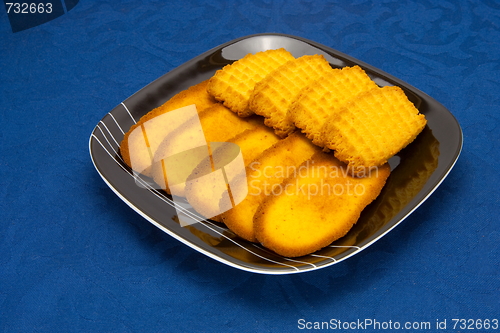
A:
[234,83]
[317,101]
[373,127]
[316,206]
[201,191]
[143,144]
[273,95]
[218,124]
[262,175]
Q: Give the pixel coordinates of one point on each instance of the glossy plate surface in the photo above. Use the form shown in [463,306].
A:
[416,171]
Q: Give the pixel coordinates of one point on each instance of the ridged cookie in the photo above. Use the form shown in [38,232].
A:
[373,127]
[234,83]
[273,95]
[322,97]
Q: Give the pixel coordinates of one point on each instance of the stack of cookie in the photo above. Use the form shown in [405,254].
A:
[315,141]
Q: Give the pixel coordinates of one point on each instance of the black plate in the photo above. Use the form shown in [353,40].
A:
[417,170]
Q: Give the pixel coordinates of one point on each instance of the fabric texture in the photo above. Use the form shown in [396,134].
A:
[75,258]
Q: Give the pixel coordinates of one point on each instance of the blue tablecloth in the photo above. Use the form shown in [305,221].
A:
[75,258]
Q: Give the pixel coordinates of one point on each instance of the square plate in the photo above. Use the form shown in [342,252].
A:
[416,171]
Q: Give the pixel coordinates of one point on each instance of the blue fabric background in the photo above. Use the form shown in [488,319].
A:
[75,258]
